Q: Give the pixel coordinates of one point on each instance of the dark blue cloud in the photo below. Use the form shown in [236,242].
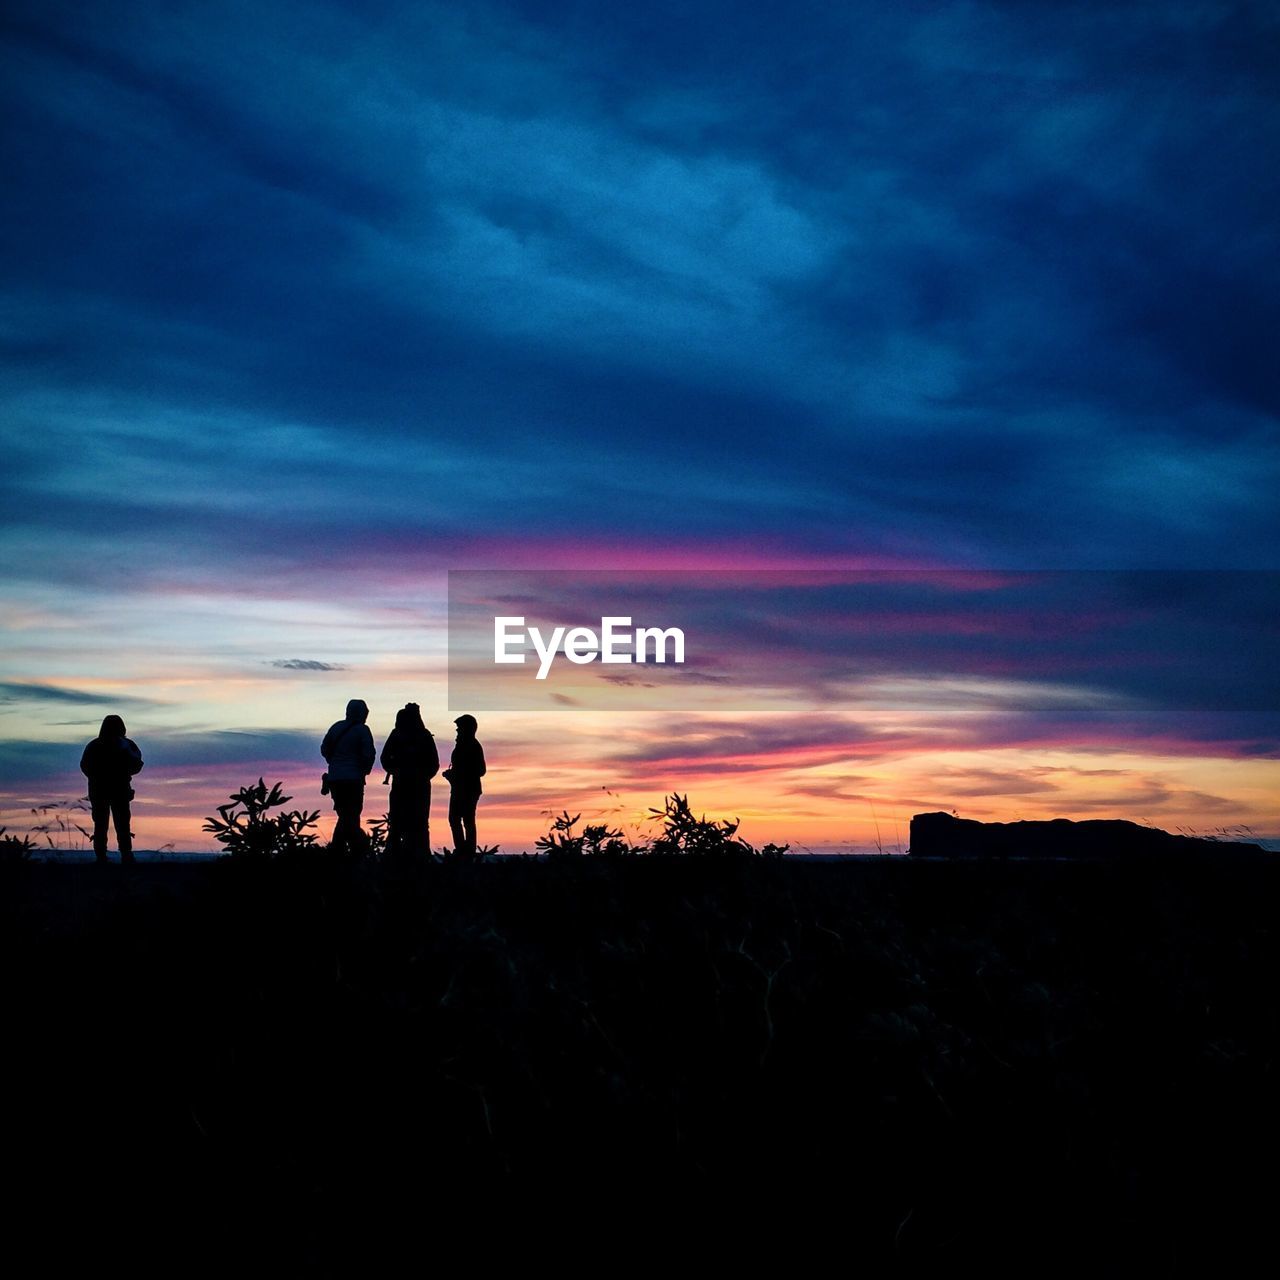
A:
[16,692]
[26,761]
[243,747]
[45,762]
[982,284]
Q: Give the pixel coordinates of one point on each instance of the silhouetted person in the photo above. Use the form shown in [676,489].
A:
[109,762]
[466,768]
[409,755]
[349,749]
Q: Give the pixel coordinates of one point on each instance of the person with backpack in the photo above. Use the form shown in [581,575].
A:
[348,748]
[109,762]
[466,768]
[409,755]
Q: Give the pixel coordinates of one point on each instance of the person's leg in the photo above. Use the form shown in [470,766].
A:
[426,821]
[342,828]
[422,833]
[359,837]
[409,810]
[336,838]
[457,808]
[462,820]
[348,803]
[100,808]
[469,824]
[121,816]
[416,843]
[396,819]
[344,831]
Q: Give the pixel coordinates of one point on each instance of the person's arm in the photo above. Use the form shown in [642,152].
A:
[327,745]
[133,755]
[431,757]
[480,764]
[388,757]
[369,753]
[85,757]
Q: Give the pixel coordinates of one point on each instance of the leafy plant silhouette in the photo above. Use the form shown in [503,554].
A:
[14,848]
[702,837]
[244,828]
[681,834]
[596,840]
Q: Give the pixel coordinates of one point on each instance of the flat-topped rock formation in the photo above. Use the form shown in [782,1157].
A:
[940,835]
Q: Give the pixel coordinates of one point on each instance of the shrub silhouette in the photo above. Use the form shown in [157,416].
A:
[244,828]
[14,848]
[682,835]
[596,841]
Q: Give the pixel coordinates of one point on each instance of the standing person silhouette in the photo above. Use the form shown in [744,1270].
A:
[109,762]
[349,749]
[409,755]
[466,768]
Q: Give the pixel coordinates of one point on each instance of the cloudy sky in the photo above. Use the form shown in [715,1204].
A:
[304,305]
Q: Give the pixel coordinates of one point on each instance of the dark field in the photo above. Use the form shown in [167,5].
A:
[302,1064]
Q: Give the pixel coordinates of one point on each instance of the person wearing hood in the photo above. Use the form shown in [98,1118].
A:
[466,768]
[410,757]
[110,762]
[348,748]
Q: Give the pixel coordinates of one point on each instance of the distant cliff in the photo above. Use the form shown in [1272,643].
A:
[939,835]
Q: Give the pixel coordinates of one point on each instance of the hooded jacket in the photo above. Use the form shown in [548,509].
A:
[411,757]
[348,746]
[109,763]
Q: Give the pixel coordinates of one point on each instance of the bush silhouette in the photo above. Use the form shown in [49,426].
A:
[14,848]
[682,834]
[244,829]
[599,840]
[702,837]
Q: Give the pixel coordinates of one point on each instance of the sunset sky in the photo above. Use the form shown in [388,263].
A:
[305,305]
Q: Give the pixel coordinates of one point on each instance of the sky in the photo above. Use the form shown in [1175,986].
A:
[304,305]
